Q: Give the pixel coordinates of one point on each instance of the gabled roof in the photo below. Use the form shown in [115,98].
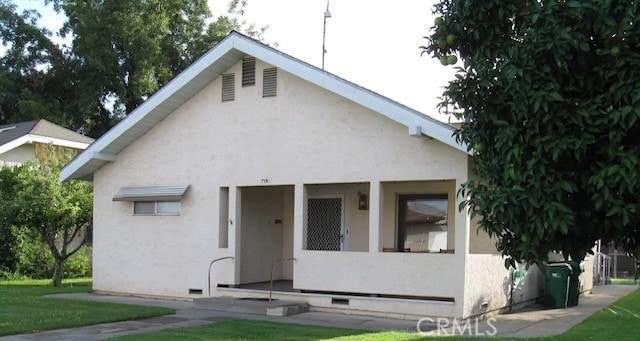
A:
[41,131]
[210,66]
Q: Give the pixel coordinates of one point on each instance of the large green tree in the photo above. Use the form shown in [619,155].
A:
[550,97]
[121,52]
[55,211]
[36,75]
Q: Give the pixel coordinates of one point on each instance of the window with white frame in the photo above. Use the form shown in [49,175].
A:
[156,208]
[423,222]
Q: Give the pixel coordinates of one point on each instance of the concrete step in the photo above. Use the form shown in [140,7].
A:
[251,305]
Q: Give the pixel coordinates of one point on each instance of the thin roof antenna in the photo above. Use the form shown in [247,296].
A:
[327,14]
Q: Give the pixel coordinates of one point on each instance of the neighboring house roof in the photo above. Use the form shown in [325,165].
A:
[41,131]
[210,66]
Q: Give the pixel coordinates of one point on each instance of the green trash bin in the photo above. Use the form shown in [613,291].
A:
[574,284]
[556,284]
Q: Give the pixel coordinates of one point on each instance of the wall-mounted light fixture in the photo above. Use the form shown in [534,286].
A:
[363,203]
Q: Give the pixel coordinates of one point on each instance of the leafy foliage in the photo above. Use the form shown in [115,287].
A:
[121,53]
[54,211]
[28,89]
[550,100]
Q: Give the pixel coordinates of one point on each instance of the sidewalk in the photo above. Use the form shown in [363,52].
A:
[531,322]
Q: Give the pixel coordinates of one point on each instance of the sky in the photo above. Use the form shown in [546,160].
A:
[374,44]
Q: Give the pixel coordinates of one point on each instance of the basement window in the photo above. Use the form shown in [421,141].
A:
[248,71]
[269,82]
[228,87]
[156,208]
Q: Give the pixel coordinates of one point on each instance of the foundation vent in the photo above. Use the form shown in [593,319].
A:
[341,301]
[195,291]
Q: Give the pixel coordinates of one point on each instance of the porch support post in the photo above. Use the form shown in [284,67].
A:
[375,215]
[299,208]
[235,213]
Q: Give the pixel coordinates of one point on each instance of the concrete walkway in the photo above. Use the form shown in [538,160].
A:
[532,322]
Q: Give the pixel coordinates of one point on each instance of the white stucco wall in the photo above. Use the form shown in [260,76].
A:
[18,155]
[304,136]
[479,240]
[488,282]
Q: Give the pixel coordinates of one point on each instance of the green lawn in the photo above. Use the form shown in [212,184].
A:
[625,281]
[23,309]
[619,321]
[261,330]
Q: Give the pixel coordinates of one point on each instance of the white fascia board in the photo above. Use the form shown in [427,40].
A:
[366,98]
[29,138]
[72,167]
[103,156]
[13,144]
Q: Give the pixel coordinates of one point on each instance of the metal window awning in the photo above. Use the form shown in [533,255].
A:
[151,193]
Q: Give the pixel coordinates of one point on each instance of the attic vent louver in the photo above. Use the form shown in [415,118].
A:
[269,82]
[228,87]
[248,71]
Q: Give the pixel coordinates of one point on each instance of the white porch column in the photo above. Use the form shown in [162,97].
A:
[235,212]
[299,209]
[463,231]
[375,215]
[462,235]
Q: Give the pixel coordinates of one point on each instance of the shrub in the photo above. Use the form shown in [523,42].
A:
[34,256]
[79,265]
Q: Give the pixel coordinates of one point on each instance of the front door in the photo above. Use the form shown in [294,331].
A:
[325,223]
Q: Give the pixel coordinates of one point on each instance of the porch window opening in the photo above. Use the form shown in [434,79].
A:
[156,208]
[423,222]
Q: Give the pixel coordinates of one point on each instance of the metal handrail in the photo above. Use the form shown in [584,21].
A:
[209,274]
[271,279]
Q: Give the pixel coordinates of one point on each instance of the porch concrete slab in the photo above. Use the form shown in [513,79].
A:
[260,306]
[532,322]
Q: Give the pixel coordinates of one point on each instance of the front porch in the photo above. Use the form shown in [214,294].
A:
[375,243]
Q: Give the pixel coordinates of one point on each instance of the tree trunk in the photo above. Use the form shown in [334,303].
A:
[58,271]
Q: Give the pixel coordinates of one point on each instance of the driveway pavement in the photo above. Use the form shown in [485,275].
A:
[533,321]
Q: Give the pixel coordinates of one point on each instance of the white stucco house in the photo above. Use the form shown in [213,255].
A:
[252,164]
[19,141]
